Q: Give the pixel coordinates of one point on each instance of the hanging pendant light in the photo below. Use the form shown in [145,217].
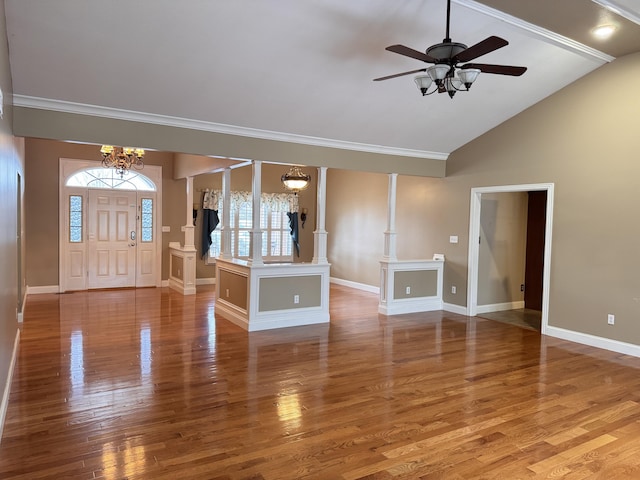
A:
[295,179]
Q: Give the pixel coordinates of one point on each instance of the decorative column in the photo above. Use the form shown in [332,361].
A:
[320,234]
[225,247]
[188,228]
[182,258]
[255,254]
[390,232]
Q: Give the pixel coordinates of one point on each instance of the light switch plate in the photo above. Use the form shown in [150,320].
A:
[453,239]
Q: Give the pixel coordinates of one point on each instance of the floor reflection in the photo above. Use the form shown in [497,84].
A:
[149,384]
[76,362]
[521,317]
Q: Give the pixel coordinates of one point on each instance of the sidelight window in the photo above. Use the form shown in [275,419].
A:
[75,218]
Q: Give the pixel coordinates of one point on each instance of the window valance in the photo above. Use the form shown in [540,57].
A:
[276,202]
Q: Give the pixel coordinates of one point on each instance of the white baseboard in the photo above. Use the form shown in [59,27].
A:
[359,286]
[450,307]
[593,341]
[410,305]
[164,283]
[7,388]
[179,287]
[42,289]
[500,307]
[206,281]
[20,315]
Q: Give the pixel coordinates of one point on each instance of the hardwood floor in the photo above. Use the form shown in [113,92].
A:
[522,317]
[148,384]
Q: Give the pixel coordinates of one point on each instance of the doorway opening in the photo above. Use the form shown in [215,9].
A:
[537,273]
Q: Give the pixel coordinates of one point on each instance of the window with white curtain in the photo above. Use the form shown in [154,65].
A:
[277,245]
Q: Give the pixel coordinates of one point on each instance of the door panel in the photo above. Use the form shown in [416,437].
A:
[76,265]
[112,255]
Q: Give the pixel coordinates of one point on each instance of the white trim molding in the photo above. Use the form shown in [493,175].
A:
[7,388]
[27,101]
[38,290]
[205,281]
[450,307]
[360,286]
[249,316]
[538,32]
[593,341]
[390,305]
[618,9]
[500,307]
[474,247]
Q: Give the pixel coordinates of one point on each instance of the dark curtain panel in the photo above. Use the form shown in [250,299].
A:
[210,221]
[293,225]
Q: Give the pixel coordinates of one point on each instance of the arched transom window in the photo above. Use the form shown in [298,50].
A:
[108,178]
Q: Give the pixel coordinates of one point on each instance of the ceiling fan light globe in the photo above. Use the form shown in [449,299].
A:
[454,85]
[423,82]
[468,76]
[438,71]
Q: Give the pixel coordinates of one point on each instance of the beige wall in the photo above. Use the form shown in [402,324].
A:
[502,252]
[234,288]
[277,293]
[421,283]
[11,166]
[41,204]
[355,222]
[32,122]
[357,218]
[585,140]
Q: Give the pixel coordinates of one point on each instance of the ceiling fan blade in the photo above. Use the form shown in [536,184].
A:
[410,52]
[481,48]
[399,74]
[497,69]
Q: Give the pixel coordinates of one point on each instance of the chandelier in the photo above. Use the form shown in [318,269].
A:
[122,158]
[295,180]
[446,78]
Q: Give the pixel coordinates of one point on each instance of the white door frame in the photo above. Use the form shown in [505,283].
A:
[70,166]
[474,244]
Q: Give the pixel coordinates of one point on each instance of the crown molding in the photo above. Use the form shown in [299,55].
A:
[27,101]
[543,33]
[619,10]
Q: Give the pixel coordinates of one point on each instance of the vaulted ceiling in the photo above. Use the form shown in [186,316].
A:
[303,70]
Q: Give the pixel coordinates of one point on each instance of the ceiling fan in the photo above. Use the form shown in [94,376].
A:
[446,73]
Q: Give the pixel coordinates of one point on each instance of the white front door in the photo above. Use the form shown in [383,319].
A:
[112,238]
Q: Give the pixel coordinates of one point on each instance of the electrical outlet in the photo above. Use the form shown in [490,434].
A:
[522,287]
[408,290]
[611,319]
[296,299]
[453,289]
[227,292]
